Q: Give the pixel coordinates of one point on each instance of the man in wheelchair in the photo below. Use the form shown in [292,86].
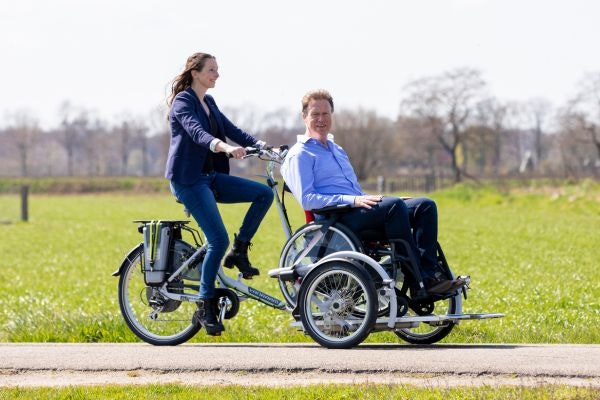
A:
[319,174]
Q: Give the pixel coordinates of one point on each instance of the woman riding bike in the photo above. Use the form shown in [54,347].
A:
[198,168]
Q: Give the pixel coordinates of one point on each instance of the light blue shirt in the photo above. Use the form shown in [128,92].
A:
[318,175]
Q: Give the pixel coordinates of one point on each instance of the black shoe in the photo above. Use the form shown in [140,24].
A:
[205,315]
[438,286]
[238,256]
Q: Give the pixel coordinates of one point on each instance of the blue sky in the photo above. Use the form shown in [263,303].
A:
[116,56]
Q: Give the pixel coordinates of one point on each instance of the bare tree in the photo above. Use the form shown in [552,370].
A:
[585,109]
[130,135]
[446,103]
[366,138]
[413,146]
[24,129]
[491,130]
[538,112]
[94,147]
[159,137]
[72,132]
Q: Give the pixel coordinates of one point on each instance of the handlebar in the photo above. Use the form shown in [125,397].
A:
[266,153]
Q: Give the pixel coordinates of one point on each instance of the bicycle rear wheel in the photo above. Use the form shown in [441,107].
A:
[152,317]
[338,305]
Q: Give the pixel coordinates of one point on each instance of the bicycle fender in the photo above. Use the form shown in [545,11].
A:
[126,259]
[356,256]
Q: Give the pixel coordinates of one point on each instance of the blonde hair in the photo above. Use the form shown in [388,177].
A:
[319,94]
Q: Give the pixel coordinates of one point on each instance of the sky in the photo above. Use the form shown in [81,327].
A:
[118,57]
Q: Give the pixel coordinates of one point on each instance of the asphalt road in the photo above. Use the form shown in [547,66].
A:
[50,364]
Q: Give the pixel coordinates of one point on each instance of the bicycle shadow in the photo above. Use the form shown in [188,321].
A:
[401,346]
[367,346]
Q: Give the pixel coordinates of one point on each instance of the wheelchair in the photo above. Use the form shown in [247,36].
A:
[317,240]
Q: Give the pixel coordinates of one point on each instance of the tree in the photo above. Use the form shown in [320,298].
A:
[131,136]
[23,128]
[446,103]
[366,138]
[584,109]
[72,132]
[491,121]
[159,138]
[539,111]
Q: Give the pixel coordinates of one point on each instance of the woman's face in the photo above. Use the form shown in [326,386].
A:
[209,74]
[318,118]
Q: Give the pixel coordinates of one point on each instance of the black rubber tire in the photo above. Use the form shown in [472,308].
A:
[132,292]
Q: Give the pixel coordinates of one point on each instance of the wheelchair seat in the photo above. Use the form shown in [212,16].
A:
[367,235]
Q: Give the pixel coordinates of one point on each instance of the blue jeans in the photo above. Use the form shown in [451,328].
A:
[201,200]
[413,220]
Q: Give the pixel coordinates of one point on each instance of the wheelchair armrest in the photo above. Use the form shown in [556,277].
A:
[337,209]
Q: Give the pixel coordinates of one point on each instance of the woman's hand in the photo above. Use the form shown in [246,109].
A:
[367,201]
[235,152]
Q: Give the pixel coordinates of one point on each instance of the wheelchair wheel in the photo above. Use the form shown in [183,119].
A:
[308,245]
[426,333]
[338,305]
[150,316]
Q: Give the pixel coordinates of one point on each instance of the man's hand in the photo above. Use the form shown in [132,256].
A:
[367,201]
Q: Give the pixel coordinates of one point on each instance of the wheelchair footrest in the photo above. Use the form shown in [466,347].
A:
[286,274]
[414,321]
[434,320]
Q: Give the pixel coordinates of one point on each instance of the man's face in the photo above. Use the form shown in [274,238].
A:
[318,118]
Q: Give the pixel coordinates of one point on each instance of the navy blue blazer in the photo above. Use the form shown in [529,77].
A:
[191,136]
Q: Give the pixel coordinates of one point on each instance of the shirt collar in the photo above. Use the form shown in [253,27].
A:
[304,138]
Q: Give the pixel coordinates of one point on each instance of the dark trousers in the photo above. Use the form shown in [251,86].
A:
[414,220]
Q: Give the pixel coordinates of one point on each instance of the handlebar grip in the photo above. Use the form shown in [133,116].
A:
[249,151]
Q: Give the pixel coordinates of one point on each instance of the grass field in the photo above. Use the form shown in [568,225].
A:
[329,392]
[532,255]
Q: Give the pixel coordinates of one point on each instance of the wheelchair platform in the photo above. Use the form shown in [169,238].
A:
[434,320]
[414,321]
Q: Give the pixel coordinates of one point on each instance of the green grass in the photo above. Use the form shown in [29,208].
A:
[531,255]
[329,392]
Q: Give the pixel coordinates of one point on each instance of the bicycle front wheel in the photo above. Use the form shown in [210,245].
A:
[152,317]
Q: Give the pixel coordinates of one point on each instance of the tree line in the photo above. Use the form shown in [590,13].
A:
[447,124]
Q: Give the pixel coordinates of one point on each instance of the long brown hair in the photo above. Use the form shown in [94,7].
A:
[184,80]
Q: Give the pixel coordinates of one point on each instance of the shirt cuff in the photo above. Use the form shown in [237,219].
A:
[347,199]
[213,144]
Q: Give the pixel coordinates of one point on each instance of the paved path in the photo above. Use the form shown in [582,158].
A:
[51,364]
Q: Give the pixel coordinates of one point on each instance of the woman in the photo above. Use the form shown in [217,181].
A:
[198,168]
